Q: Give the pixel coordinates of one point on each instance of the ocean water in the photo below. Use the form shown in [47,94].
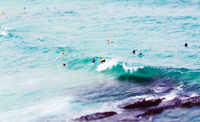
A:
[36,87]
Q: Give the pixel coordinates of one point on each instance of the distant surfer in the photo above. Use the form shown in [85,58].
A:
[102,61]
[186,44]
[63,52]
[66,63]
[110,41]
[134,51]
[93,61]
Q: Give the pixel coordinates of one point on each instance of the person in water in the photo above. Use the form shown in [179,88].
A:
[66,63]
[140,54]
[63,52]
[2,12]
[110,41]
[102,61]
[134,51]
[186,44]
[93,61]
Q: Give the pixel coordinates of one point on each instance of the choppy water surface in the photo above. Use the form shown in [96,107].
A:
[36,87]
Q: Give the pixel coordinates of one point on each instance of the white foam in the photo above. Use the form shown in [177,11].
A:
[107,64]
[158,89]
[6,28]
[194,95]
[170,96]
[3,33]
[131,69]
[179,88]
[35,112]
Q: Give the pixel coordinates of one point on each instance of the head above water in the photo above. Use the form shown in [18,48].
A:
[186,44]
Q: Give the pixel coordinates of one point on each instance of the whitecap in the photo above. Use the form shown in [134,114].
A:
[131,69]
[107,64]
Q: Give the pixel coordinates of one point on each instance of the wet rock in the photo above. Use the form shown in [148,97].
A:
[143,104]
[152,111]
[95,116]
[145,109]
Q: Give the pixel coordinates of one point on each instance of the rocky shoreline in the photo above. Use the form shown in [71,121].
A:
[141,110]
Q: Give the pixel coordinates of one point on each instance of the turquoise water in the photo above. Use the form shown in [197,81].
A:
[36,87]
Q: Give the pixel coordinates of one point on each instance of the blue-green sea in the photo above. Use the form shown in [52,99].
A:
[36,87]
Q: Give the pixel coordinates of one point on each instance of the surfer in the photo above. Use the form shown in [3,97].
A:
[66,63]
[134,51]
[110,41]
[186,44]
[93,60]
[102,61]
[63,52]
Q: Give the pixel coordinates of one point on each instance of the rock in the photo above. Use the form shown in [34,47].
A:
[145,109]
[95,116]
[143,104]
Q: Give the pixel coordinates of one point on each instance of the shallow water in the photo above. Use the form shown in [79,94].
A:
[36,87]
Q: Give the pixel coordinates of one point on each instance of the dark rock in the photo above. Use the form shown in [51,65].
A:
[95,116]
[144,109]
[152,111]
[143,104]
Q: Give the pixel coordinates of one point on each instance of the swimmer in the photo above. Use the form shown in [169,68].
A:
[102,61]
[186,44]
[93,60]
[110,41]
[140,54]
[63,52]
[134,51]
[2,12]
[66,63]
